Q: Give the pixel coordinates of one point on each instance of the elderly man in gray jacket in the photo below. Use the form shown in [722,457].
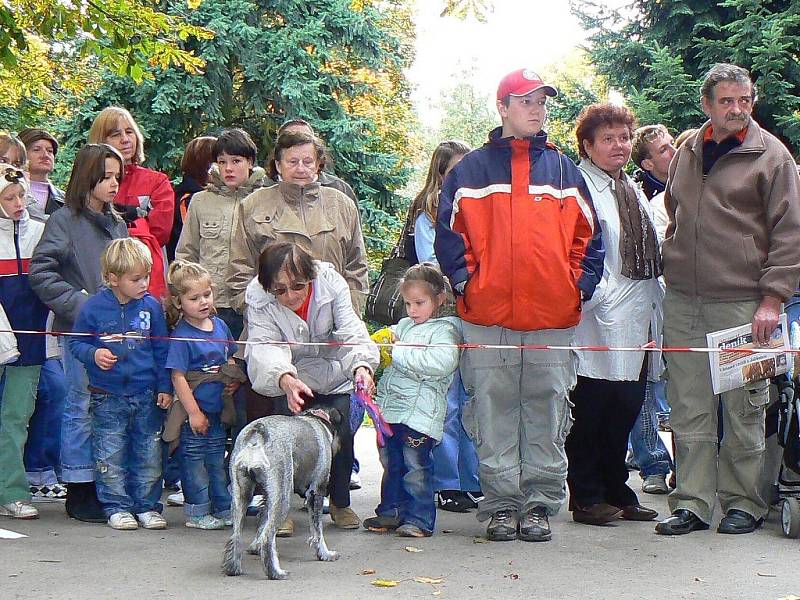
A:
[731,256]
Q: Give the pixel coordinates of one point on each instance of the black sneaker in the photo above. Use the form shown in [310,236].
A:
[454,501]
[503,526]
[535,526]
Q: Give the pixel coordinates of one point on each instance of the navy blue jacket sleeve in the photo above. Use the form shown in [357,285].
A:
[449,245]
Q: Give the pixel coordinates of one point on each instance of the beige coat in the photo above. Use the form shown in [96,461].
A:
[209,226]
[735,234]
[325,369]
[322,220]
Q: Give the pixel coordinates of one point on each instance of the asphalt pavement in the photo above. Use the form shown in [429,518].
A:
[64,559]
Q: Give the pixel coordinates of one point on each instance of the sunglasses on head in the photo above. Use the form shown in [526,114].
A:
[652,134]
[295,287]
[13,175]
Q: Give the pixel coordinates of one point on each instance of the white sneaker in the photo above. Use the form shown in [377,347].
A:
[19,510]
[151,520]
[175,499]
[355,481]
[205,522]
[123,521]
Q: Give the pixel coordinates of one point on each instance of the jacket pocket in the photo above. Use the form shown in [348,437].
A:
[751,253]
[210,228]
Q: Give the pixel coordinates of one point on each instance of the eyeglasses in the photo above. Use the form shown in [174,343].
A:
[652,133]
[295,287]
[13,175]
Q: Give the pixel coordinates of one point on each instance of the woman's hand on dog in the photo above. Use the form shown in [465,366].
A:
[363,375]
[295,390]
[198,422]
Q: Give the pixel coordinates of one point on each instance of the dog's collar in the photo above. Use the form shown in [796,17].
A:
[321,415]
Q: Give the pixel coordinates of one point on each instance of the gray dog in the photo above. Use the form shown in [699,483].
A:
[281,454]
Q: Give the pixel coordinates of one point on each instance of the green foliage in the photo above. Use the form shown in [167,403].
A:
[124,35]
[338,67]
[656,52]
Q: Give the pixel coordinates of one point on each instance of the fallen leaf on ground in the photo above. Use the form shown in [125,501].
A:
[384,582]
[513,576]
[766,574]
[368,572]
[437,593]
[447,531]
[698,579]
[413,549]
[479,540]
[433,580]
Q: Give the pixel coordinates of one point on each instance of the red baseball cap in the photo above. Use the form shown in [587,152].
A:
[521,83]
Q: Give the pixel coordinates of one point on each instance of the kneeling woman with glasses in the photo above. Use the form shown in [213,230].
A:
[295,298]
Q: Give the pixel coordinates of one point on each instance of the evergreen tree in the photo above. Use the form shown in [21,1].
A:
[336,63]
[657,52]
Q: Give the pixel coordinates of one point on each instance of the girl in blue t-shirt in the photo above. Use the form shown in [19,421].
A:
[201,344]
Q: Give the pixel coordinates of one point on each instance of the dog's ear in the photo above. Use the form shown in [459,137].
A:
[336,418]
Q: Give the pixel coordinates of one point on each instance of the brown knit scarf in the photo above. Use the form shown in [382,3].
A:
[638,244]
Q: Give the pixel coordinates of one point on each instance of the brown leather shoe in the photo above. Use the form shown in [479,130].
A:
[286,529]
[637,512]
[596,514]
[345,518]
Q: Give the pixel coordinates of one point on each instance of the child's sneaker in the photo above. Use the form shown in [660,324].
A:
[175,499]
[48,493]
[205,522]
[410,530]
[151,520]
[19,510]
[123,521]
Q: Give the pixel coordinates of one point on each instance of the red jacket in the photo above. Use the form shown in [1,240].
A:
[142,187]
[517,226]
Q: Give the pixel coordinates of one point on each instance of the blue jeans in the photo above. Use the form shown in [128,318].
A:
[77,465]
[455,461]
[649,450]
[660,393]
[126,441]
[43,448]
[203,479]
[407,484]
[357,411]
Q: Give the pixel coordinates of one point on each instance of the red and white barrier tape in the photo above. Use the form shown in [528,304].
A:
[650,347]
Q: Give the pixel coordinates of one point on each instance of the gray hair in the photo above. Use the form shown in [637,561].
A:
[725,72]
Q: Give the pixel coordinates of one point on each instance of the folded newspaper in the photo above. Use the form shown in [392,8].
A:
[731,370]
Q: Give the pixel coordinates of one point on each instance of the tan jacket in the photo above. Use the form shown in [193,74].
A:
[209,225]
[325,369]
[322,220]
[736,235]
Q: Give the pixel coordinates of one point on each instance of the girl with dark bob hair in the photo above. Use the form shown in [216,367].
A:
[622,312]
[64,272]
[295,298]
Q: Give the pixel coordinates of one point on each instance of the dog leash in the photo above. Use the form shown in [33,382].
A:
[382,428]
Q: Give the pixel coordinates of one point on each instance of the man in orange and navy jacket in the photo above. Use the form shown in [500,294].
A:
[518,237]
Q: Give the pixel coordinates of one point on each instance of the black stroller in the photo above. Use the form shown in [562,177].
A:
[789,473]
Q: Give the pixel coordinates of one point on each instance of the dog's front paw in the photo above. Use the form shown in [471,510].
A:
[328,556]
[254,549]
[277,573]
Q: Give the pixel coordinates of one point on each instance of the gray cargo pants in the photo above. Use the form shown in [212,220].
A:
[704,470]
[517,413]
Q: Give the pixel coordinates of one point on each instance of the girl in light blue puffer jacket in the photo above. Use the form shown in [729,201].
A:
[412,397]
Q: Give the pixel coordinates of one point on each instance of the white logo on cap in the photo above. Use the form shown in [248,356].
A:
[531,75]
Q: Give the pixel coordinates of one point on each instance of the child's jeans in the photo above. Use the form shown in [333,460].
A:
[126,442]
[77,465]
[205,486]
[407,484]
[43,449]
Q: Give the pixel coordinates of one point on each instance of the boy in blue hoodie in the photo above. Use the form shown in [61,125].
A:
[128,384]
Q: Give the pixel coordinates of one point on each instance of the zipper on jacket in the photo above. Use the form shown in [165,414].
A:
[302,206]
[16,248]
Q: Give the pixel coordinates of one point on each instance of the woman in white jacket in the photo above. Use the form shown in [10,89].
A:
[611,385]
[297,299]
